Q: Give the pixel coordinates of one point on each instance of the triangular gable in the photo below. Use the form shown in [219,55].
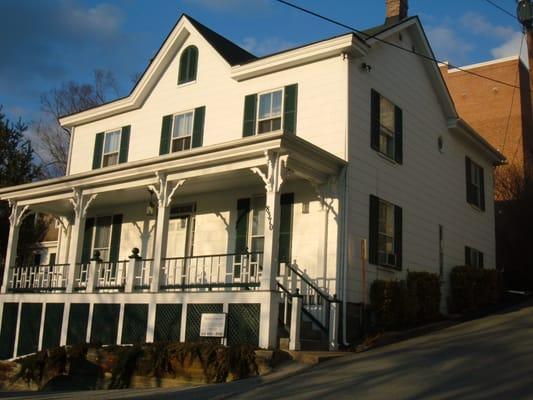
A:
[231,53]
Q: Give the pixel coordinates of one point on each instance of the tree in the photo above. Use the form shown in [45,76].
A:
[70,97]
[17,166]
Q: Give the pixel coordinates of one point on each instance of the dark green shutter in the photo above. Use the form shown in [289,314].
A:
[124,144]
[482,188]
[98,150]
[290,106]
[241,236]
[374,119]
[116,230]
[285,227]
[193,64]
[166,132]
[373,236]
[398,233]
[467,256]
[188,65]
[87,240]
[198,127]
[398,135]
[250,104]
[468,169]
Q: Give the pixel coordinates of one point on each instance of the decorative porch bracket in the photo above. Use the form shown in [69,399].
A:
[273,179]
[80,205]
[164,193]
[16,217]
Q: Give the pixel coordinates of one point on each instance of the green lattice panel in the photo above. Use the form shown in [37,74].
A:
[30,323]
[8,330]
[194,315]
[77,323]
[53,320]
[104,325]
[135,323]
[167,322]
[243,324]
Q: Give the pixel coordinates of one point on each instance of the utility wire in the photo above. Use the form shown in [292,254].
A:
[513,96]
[513,16]
[368,36]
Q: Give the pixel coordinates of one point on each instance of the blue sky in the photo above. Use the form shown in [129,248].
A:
[46,42]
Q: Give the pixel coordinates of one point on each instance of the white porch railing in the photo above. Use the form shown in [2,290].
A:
[142,277]
[39,278]
[81,276]
[111,275]
[212,272]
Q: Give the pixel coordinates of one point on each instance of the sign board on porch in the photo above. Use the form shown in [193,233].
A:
[213,325]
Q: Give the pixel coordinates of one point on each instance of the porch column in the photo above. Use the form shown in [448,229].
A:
[15,219]
[164,193]
[276,171]
[80,204]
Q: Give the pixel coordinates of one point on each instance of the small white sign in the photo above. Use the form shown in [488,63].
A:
[213,325]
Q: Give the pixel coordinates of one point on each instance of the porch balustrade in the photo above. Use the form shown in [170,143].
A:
[39,278]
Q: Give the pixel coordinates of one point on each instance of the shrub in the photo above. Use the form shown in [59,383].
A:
[472,289]
[400,304]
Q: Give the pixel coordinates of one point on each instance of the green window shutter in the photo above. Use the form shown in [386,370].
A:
[241,236]
[116,230]
[398,135]
[482,184]
[166,131]
[87,240]
[250,104]
[290,106]
[467,256]
[468,169]
[374,119]
[373,236]
[98,150]
[124,144]
[285,228]
[188,65]
[398,234]
[198,127]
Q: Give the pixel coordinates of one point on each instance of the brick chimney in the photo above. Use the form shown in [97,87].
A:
[396,11]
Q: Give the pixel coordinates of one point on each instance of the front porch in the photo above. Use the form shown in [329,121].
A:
[219,224]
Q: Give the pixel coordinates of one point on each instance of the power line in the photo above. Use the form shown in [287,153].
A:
[368,36]
[513,16]
[513,97]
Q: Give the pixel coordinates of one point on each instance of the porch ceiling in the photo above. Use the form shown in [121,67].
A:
[208,169]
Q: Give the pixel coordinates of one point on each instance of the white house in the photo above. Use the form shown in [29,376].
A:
[341,161]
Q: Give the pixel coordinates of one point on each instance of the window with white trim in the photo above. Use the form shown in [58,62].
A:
[102,236]
[182,125]
[387,127]
[256,239]
[386,251]
[475,181]
[111,148]
[269,111]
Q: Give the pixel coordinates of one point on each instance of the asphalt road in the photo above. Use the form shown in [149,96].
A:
[488,358]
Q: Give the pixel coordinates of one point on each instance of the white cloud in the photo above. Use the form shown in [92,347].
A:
[448,46]
[265,46]
[511,47]
[479,25]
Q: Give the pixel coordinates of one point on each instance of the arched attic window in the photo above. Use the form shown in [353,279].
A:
[188,65]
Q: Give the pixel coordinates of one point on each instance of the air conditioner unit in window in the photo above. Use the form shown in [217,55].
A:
[387,259]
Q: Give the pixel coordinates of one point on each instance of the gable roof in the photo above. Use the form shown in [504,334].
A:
[231,52]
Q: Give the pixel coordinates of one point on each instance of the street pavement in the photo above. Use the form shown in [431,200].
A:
[487,358]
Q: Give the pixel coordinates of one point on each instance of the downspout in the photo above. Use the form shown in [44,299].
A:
[344,242]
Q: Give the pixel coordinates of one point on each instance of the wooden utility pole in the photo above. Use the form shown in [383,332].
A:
[525,16]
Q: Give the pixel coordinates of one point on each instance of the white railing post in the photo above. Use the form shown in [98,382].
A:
[296,319]
[92,275]
[132,267]
[334,314]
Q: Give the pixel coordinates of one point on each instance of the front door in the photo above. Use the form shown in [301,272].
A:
[180,244]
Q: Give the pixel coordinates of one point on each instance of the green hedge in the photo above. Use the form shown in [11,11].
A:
[472,289]
[400,304]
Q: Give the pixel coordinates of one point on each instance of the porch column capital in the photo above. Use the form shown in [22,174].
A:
[277,170]
[17,214]
[165,190]
[79,203]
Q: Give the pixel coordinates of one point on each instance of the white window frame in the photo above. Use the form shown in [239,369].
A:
[93,239]
[251,236]
[383,256]
[258,120]
[475,255]
[104,154]
[384,131]
[193,111]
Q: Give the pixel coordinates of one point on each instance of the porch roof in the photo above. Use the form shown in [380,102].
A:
[305,160]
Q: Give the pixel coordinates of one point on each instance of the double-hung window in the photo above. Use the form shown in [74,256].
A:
[387,127]
[385,233]
[475,190]
[102,236]
[473,257]
[270,111]
[111,148]
[182,126]
[386,254]
[257,221]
